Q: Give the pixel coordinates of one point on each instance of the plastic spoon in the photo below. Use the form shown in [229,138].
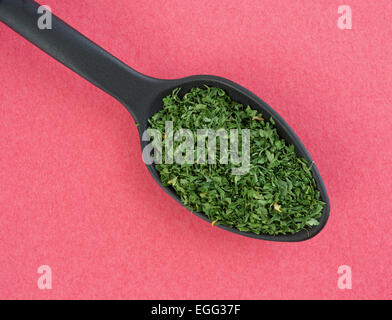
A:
[142,95]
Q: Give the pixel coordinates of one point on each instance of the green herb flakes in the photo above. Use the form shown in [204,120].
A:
[276,196]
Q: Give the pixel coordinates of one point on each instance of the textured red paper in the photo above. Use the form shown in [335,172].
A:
[75,194]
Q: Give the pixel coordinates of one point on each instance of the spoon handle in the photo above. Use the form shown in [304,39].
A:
[78,53]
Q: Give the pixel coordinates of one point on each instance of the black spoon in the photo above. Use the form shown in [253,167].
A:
[140,94]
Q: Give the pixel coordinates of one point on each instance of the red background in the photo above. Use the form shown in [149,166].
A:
[75,194]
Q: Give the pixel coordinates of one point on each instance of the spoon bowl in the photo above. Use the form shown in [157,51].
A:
[142,95]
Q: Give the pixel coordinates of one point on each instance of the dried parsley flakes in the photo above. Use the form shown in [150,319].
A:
[276,196]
